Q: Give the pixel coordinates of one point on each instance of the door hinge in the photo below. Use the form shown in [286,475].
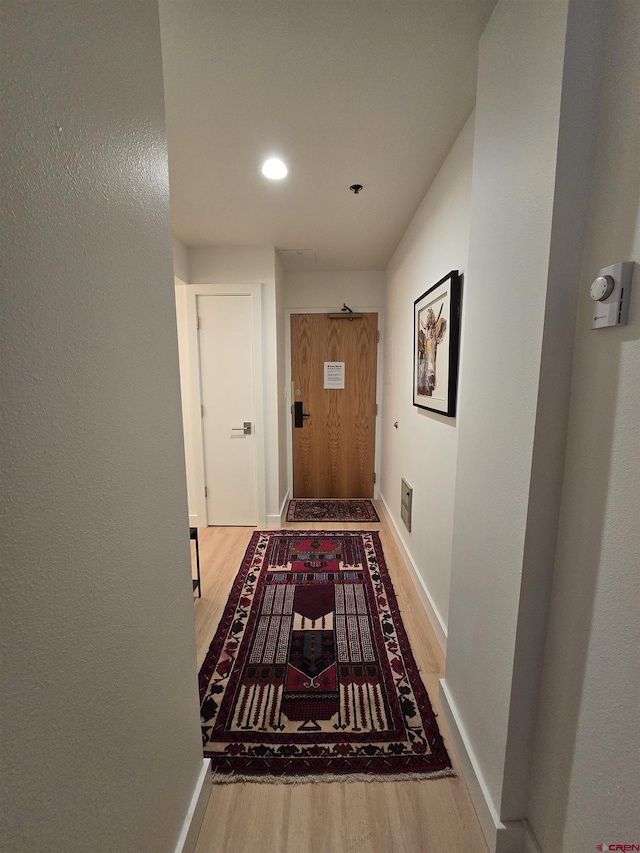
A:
[201,410]
[197,322]
[374,476]
[378,336]
[206,492]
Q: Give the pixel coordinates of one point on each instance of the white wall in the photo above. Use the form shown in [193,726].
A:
[423,447]
[101,740]
[181,277]
[230,264]
[359,289]
[586,783]
[536,114]
[194,499]
[180,260]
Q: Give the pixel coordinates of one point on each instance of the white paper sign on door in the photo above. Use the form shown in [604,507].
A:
[334,374]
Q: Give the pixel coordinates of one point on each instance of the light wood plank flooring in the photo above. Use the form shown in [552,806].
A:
[430,816]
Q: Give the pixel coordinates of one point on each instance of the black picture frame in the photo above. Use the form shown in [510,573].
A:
[436,345]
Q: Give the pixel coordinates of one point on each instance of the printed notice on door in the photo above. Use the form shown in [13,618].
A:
[334,374]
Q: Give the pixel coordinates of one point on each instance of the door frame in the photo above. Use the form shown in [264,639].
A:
[254,291]
[379,375]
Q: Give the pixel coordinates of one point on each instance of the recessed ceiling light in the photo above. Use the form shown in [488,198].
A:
[274,169]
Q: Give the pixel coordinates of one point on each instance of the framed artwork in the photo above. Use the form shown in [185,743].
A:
[436,328]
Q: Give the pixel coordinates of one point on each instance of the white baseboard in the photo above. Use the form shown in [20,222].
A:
[195,815]
[276,521]
[501,836]
[195,521]
[431,610]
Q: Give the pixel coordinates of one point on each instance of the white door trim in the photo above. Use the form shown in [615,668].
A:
[379,374]
[253,290]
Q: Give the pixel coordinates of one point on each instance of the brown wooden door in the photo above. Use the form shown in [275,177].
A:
[333,452]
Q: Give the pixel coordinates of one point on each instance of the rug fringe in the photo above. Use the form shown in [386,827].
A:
[231,778]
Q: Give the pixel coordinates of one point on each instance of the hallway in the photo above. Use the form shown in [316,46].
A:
[524,543]
[406,817]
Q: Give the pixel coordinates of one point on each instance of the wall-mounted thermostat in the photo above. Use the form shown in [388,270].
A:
[611,293]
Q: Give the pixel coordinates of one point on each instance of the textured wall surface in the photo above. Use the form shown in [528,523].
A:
[101,744]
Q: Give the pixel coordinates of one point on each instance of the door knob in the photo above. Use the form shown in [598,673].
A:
[246,429]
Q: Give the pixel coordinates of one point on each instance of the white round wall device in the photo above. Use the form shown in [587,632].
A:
[601,288]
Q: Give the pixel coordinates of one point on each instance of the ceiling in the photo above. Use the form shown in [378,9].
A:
[345,91]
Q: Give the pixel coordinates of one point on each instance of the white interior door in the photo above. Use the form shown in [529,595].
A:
[226,337]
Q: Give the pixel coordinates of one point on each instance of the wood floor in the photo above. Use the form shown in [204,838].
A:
[430,816]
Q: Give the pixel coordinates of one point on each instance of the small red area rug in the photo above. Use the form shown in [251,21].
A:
[310,676]
[331,509]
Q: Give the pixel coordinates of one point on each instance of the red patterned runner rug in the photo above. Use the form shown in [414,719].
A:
[310,676]
[331,509]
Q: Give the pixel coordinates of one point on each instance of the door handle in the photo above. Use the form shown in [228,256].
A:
[298,415]
[246,429]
